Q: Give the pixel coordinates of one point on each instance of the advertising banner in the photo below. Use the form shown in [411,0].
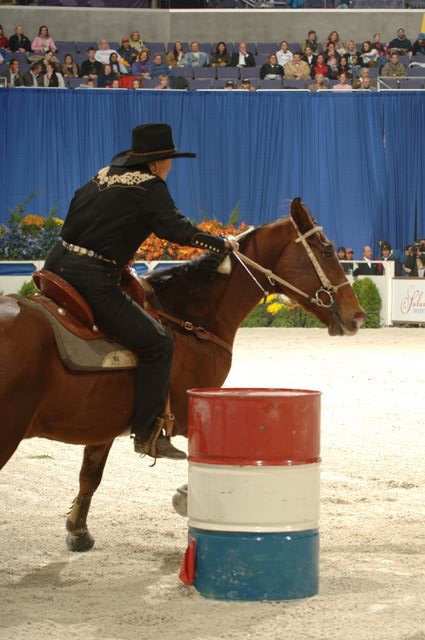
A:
[408,300]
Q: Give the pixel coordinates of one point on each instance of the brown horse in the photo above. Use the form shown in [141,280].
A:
[290,256]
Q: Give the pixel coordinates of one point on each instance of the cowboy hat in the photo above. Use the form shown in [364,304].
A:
[149,142]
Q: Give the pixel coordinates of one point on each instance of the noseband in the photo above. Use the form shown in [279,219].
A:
[327,289]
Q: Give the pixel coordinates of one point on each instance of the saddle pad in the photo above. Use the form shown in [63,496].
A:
[85,355]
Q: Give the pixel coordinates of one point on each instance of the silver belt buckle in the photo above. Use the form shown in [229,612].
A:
[91,254]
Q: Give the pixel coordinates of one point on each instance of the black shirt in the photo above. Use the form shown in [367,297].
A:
[19,42]
[119,208]
[89,68]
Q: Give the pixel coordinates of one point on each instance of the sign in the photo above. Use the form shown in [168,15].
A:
[408,300]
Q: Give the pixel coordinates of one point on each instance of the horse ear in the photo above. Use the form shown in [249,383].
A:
[300,215]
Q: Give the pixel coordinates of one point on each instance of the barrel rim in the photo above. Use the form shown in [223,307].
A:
[251,393]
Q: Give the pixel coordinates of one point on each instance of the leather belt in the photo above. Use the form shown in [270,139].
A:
[82,251]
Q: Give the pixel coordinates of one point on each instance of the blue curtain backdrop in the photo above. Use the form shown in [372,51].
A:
[356,160]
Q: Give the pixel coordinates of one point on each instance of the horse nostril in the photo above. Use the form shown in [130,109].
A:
[358,318]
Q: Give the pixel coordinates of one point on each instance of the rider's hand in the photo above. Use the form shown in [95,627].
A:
[231,243]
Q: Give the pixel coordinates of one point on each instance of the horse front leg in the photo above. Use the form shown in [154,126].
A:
[79,537]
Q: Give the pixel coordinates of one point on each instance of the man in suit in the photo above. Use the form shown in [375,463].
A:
[242,57]
[366,267]
[33,77]
[195,58]
[13,75]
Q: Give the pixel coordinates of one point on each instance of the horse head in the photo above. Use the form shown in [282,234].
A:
[304,267]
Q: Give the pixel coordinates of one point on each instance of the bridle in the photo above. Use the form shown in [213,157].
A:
[327,288]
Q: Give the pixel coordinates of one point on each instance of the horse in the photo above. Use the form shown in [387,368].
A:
[291,256]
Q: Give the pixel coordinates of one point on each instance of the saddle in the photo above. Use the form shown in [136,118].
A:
[81,343]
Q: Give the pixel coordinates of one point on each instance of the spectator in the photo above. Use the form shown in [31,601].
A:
[401,44]
[4,40]
[352,53]
[309,57]
[117,66]
[312,42]
[115,84]
[420,264]
[333,66]
[368,84]
[136,84]
[409,267]
[19,42]
[13,74]
[127,53]
[175,57]
[229,85]
[107,77]
[320,66]
[379,46]
[334,39]
[136,41]
[48,57]
[242,57]
[349,256]
[368,55]
[195,58]
[33,77]
[159,68]
[297,69]
[366,267]
[69,69]
[246,85]
[90,84]
[103,54]
[4,56]
[393,68]
[163,83]
[342,255]
[52,77]
[419,45]
[396,256]
[142,66]
[283,54]
[331,52]
[43,42]
[91,68]
[343,85]
[271,70]
[344,67]
[320,83]
[221,58]
[361,79]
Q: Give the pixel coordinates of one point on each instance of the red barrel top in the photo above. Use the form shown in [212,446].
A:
[236,426]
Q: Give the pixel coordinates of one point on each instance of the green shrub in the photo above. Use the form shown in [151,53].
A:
[276,311]
[369,298]
[27,289]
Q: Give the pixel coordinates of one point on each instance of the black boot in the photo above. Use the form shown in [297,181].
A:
[158,445]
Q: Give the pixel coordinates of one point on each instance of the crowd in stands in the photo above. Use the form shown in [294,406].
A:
[134,64]
[407,263]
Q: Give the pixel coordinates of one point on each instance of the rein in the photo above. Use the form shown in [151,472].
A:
[199,332]
[327,287]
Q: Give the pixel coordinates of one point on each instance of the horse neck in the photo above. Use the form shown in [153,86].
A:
[233,300]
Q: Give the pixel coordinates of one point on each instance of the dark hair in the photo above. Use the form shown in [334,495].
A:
[12,60]
[368,42]
[175,52]
[43,26]
[70,56]
[91,49]
[225,48]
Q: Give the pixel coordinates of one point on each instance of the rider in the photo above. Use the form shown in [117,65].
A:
[108,218]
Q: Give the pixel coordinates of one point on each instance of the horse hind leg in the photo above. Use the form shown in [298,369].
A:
[79,537]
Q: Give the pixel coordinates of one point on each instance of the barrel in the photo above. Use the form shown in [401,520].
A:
[253,493]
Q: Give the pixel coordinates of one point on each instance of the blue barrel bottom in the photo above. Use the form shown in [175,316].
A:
[256,566]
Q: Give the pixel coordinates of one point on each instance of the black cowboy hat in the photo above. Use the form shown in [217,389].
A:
[149,142]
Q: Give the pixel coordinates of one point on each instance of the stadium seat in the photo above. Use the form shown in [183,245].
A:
[204,72]
[157,47]
[413,83]
[266,48]
[81,47]
[228,73]
[65,46]
[270,84]
[200,84]
[185,72]
[293,84]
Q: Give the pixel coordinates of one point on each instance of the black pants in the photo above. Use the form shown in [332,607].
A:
[116,313]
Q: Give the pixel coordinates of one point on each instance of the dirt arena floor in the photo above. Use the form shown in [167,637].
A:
[372,521]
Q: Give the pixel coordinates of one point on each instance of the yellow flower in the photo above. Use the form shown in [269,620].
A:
[57,220]
[274,308]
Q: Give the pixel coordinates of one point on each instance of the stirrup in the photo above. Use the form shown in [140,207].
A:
[158,445]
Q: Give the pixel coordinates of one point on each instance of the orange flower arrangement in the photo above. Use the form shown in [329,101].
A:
[156,249]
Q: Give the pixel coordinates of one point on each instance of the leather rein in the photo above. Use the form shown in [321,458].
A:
[326,289]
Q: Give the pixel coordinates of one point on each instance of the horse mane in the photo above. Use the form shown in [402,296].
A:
[193,278]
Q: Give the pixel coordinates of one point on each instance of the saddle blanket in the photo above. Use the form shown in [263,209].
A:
[85,355]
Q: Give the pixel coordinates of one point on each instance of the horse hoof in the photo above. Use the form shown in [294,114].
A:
[79,543]
[180,501]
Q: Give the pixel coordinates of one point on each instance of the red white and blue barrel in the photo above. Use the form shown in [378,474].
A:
[253,497]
